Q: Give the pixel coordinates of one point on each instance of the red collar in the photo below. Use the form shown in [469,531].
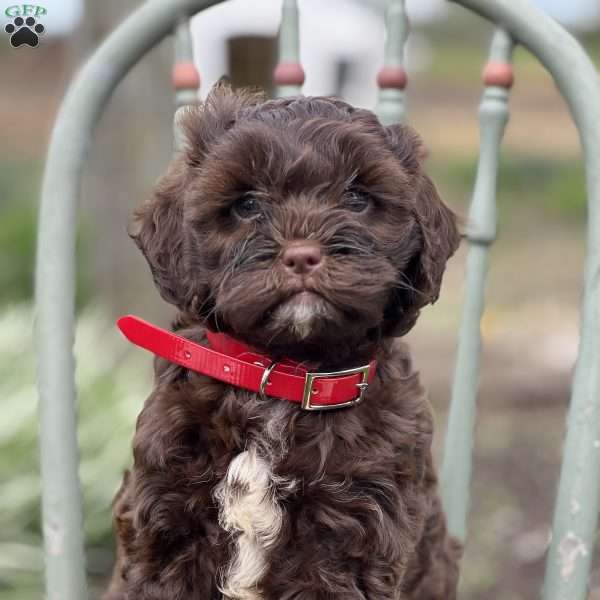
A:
[235,363]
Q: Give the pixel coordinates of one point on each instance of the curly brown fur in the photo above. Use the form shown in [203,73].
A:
[231,496]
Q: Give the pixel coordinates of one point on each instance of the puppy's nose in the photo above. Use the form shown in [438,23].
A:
[302,258]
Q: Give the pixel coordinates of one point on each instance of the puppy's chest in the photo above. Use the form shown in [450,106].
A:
[353,476]
[293,457]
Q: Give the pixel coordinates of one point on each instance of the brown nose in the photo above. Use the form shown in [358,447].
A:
[302,257]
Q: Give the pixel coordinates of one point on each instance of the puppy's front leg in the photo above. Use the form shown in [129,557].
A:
[434,570]
[167,548]
[123,530]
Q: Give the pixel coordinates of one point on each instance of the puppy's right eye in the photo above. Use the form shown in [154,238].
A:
[247,207]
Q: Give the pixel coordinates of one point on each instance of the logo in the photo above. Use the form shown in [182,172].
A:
[24,28]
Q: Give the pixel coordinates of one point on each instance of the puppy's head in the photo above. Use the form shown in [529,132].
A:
[297,224]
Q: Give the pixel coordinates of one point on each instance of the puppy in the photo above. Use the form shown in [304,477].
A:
[304,230]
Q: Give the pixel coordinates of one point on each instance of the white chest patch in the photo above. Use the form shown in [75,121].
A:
[247,498]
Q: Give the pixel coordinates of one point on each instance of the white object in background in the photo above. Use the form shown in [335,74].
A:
[338,34]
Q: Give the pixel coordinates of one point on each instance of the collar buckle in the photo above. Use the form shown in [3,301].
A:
[311,377]
[264,381]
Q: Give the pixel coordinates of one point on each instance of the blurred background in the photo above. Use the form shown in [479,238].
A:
[530,327]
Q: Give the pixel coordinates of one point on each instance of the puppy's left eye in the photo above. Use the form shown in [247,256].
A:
[247,207]
[356,202]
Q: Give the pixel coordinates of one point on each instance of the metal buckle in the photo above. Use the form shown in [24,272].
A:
[265,378]
[310,378]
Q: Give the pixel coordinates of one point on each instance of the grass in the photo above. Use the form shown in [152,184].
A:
[19,189]
[554,188]
[112,383]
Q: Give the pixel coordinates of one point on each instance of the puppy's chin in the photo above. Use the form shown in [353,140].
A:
[302,316]
[302,326]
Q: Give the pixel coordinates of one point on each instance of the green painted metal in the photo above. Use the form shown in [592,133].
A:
[579,490]
[55,276]
[184,53]
[289,43]
[576,511]
[481,233]
[391,103]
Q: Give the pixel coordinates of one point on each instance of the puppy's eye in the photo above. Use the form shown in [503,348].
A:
[247,207]
[356,202]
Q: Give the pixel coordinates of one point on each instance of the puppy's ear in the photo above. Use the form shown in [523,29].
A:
[157,229]
[436,225]
[440,236]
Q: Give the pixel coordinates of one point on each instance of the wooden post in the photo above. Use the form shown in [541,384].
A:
[185,77]
[481,233]
[392,78]
[289,74]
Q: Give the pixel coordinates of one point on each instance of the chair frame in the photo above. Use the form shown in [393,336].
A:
[576,510]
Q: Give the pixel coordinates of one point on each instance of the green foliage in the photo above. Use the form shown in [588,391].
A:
[17,249]
[555,188]
[556,185]
[591,42]
[19,188]
[112,382]
[17,229]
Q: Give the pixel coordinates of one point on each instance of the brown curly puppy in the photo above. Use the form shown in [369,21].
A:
[305,229]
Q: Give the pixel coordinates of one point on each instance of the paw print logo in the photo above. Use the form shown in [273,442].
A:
[24,31]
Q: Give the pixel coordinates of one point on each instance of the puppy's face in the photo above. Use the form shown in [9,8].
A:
[297,225]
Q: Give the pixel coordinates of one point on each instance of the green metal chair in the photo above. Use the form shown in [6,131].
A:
[517,22]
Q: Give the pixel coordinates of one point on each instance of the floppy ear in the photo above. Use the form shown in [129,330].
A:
[440,239]
[436,226]
[157,230]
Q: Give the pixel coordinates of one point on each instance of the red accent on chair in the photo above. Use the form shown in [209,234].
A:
[185,76]
[289,73]
[392,78]
[498,74]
